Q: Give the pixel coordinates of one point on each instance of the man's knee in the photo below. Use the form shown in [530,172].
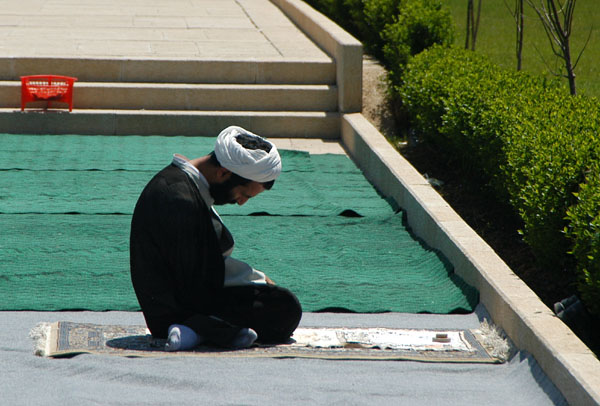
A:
[277,313]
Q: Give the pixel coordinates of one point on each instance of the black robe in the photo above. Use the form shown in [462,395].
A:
[177,269]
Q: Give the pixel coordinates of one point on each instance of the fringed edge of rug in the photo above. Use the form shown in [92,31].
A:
[494,341]
[41,335]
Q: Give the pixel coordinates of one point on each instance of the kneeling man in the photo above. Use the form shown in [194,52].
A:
[189,287]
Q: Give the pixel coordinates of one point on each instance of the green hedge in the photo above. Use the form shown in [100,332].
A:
[584,230]
[535,147]
[392,30]
[418,25]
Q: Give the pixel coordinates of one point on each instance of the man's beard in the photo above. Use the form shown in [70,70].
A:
[221,193]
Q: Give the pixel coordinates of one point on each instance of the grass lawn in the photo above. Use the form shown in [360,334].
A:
[497,39]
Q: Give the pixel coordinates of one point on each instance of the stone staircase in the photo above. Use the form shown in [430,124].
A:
[300,92]
[173,97]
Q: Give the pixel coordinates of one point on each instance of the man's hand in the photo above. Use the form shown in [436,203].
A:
[269,281]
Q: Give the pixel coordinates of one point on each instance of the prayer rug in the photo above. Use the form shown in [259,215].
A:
[66,339]
[323,231]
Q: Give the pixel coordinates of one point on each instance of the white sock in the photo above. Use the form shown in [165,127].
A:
[181,338]
[245,338]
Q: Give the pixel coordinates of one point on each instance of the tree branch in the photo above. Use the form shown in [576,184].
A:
[583,49]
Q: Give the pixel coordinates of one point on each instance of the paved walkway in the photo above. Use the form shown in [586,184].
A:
[203,29]
[313,146]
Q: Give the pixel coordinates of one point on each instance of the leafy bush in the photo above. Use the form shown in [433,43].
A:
[418,25]
[444,94]
[532,143]
[346,13]
[375,16]
[392,30]
[547,164]
[584,230]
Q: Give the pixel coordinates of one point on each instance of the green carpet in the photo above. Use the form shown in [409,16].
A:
[66,204]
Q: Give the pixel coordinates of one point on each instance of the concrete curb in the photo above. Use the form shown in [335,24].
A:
[513,306]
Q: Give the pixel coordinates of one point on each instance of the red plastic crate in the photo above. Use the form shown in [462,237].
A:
[50,88]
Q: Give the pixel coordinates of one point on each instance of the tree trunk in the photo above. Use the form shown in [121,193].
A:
[519,17]
[557,19]
[469,22]
[476,26]
[569,68]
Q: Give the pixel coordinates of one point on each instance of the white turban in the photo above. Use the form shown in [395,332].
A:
[254,164]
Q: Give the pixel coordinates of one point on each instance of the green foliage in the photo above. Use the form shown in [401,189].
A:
[584,230]
[418,25]
[376,16]
[445,98]
[392,30]
[346,13]
[548,163]
[535,147]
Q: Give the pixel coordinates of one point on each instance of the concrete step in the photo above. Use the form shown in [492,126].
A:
[147,70]
[174,96]
[169,122]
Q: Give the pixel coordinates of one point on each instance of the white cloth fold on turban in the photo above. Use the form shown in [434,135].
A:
[254,164]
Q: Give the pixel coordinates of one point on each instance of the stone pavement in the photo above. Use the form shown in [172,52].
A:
[310,145]
[215,29]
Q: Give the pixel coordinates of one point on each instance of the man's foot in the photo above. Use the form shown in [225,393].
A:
[245,338]
[181,338]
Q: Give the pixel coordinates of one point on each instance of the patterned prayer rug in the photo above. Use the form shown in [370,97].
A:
[67,339]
